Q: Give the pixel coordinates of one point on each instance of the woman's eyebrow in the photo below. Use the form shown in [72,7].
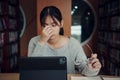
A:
[45,24]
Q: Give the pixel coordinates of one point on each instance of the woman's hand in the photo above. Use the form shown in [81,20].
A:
[94,63]
[46,34]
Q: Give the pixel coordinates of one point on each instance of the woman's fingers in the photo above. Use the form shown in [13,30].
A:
[47,31]
[97,65]
[94,62]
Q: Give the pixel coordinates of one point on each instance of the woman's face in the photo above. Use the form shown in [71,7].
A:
[52,24]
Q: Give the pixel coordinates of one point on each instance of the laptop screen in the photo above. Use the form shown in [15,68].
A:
[43,68]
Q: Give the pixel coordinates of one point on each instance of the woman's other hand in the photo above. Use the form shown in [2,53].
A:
[94,63]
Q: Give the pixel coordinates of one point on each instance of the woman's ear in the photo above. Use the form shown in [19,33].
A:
[62,22]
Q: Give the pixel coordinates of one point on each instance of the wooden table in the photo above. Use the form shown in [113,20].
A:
[9,76]
[15,76]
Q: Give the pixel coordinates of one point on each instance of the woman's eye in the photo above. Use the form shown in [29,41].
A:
[45,25]
[54,25]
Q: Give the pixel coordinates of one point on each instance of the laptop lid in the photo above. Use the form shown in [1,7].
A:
[43,68]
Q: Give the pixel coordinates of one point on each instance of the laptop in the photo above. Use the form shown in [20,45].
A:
[43,68]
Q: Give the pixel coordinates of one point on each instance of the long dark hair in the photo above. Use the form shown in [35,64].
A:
[54,12]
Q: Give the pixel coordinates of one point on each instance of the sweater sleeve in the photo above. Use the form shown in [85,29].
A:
[35,48]
[81,62]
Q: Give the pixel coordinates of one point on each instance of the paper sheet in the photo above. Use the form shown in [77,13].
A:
[111,78]
[91,78]
[85,78]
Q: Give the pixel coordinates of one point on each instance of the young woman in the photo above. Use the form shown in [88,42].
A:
[52,42]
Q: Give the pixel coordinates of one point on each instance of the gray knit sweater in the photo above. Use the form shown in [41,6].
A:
[72,51]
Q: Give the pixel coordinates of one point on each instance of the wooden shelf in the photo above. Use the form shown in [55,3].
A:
[9,35]
[109,36]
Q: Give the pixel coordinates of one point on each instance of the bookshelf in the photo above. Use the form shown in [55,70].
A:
[109,36]
[9,35]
